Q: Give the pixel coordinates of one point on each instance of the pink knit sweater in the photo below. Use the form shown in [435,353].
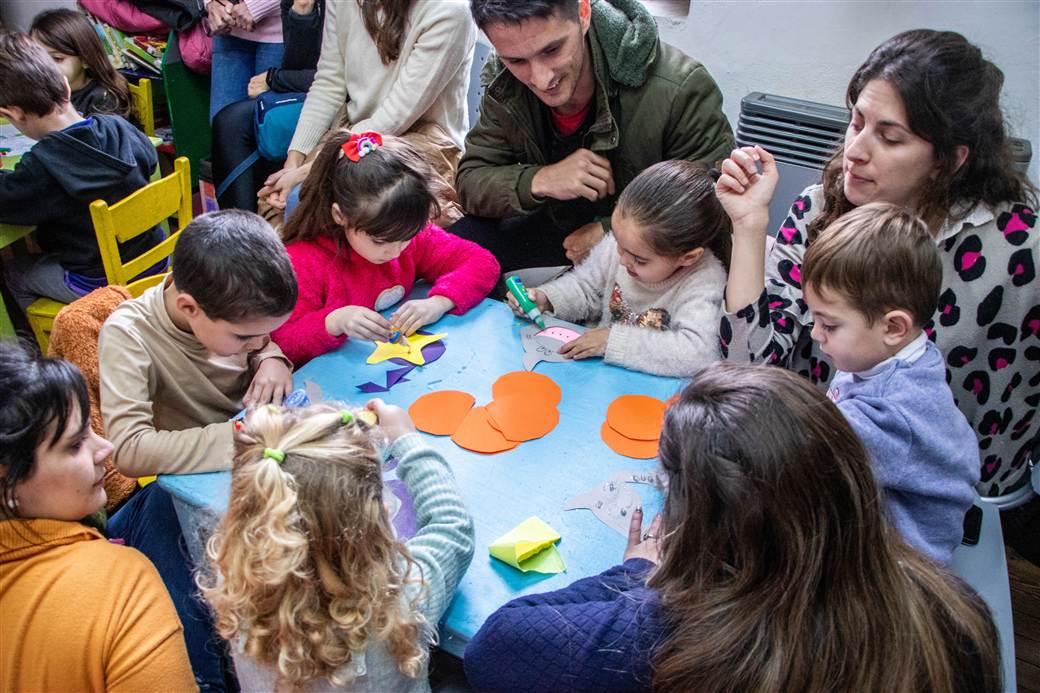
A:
[331,277]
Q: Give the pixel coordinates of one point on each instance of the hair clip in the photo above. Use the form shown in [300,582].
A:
[361,144]
[274,454]
[238,425]
[346,417]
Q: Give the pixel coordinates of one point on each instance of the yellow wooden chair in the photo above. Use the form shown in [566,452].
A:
[127,219]
[141,102]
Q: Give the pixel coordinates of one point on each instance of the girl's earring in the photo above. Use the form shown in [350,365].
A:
[12,502]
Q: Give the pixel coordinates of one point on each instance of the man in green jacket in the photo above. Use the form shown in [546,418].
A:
[579,98]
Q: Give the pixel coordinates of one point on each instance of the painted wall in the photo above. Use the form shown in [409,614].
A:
[18,14]
[809,49]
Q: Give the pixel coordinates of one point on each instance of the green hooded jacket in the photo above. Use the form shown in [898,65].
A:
[653,103]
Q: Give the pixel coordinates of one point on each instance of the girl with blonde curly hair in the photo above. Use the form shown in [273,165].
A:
[309,584]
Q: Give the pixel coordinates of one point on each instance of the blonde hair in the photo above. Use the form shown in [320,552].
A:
[307,568]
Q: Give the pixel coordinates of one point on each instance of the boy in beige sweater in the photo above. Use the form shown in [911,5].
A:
[179,361]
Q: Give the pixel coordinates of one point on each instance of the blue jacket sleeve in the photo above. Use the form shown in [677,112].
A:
[597,634]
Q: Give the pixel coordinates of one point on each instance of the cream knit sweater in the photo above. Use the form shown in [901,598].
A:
[427,83]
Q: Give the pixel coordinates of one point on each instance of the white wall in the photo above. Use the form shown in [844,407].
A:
[18,14]
[809,49]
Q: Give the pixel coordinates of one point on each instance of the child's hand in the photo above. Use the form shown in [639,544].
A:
[412,315]
[744,193]
[590,345]
[358,322]
[536,295]
[393,420]
[643,545]
[279,184]
[271,382]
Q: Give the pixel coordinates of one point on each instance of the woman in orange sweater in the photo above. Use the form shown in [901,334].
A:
[77,613]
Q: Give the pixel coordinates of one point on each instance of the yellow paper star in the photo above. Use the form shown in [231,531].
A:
[410,352]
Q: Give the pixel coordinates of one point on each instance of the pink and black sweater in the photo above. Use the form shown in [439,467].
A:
[331,275]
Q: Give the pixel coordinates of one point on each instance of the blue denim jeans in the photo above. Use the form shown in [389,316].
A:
[235,62]
[148,522]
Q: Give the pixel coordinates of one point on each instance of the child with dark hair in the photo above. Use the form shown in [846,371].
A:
[360,238]
[75,162]
[654,285]
[178,362]
[872,281]
[77,51]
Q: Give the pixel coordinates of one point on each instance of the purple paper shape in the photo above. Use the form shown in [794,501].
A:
[404,520]
[431,352]
[397,375]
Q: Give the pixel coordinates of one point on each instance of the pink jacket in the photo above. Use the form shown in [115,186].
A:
[330,278]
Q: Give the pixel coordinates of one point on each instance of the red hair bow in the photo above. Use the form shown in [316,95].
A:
[361,144]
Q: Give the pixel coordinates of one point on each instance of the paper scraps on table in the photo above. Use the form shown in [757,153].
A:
[401,508]
[543,344]
[440,413]
[523,409]
[633,425]
[530,547]
[613,501]
[410,352]
[476,433]
[430,353]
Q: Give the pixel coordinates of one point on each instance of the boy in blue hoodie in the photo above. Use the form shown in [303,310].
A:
[75,161]
[872,281]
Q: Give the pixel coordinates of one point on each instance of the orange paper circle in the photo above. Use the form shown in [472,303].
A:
[477,434]
[636,416]
[441,412]
[522,418]
[638,449]
[528,384]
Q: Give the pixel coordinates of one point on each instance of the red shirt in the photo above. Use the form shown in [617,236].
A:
[566,125]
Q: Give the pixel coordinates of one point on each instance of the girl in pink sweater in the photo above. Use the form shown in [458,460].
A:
[359,239]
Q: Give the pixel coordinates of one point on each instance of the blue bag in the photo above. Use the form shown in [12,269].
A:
[275,119]
[274,122]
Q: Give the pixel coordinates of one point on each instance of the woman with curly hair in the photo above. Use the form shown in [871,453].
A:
[310,586]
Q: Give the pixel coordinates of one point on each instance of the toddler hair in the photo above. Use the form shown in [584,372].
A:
[40,396]
[307,566]
[29,79]
[777,562]
[878,257]
[389,193]
[234,266]
[67,31]
[675,204]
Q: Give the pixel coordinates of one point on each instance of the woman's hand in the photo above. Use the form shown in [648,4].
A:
[536,295]
[219,17]
[745,193]
[272,381]
[414,314]
[280,183]
[640,545]
[393,421]
[590,345]
[257,85]
[358,322]
[241,17]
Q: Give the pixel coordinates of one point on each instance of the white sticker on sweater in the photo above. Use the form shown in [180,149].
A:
[389,297]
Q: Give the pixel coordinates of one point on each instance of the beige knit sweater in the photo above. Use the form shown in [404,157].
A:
[165,398]
[427,83]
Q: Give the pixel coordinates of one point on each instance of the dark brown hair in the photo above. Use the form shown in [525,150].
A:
[29,79]
[487,12]
[675,203]
[778,571]
[68,31]
[40,397]
[878,257]
[952,98]
[386,22]
[389,194]
[234,266]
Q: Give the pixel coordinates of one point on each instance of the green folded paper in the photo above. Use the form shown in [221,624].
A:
[530,546]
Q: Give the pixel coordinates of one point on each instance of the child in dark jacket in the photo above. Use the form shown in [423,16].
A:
[75,162]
